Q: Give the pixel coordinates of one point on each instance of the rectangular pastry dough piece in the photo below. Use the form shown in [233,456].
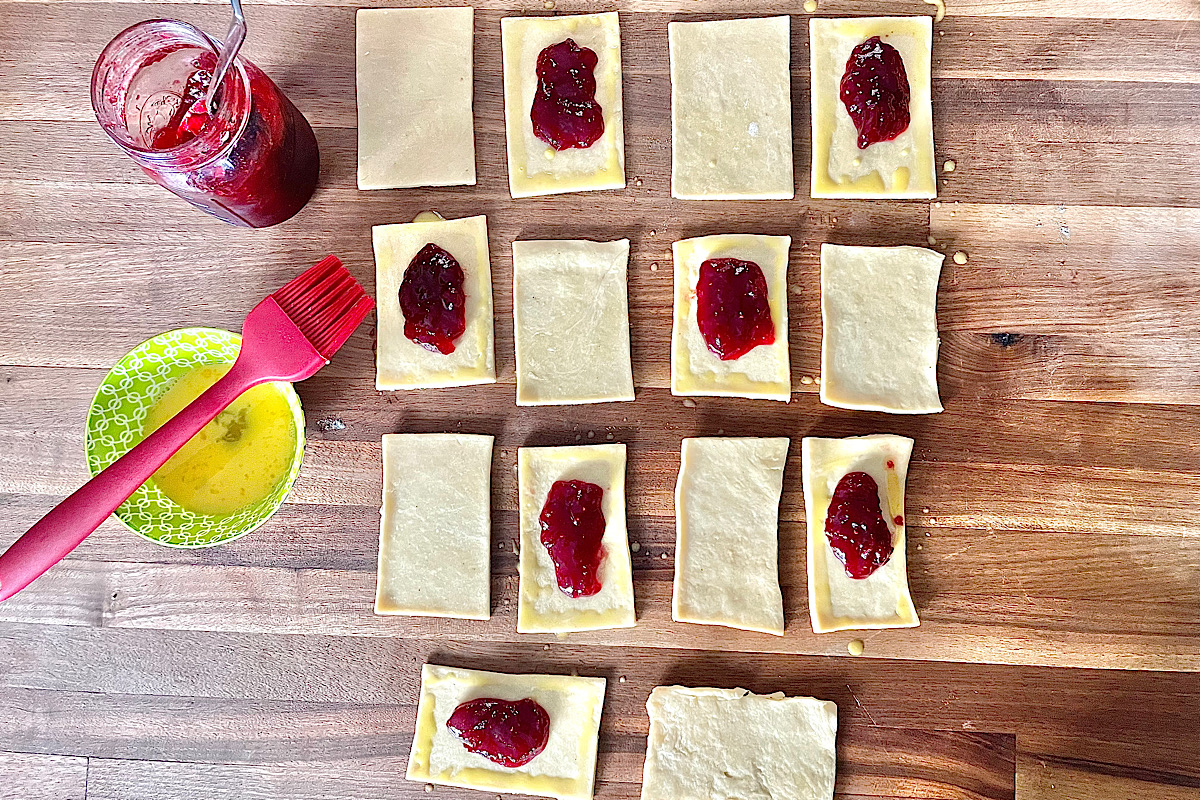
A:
[402,363]
[836,601]
[415,126]
[542,607]
[727,533]
[729,744]
[565,769]
[900,168]
[571,322]
[534,167]
[879,340]
[435,526]
[731,109]
[764,372]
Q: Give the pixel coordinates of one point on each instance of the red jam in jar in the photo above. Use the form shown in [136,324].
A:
[875,92]
[432,300]
[252,160]
[855,528]
[572,523]
[732,308]
[507,732]
[565,113]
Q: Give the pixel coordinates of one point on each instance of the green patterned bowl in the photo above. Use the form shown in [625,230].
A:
[116,420]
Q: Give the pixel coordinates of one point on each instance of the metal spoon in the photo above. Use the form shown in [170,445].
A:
[228,52]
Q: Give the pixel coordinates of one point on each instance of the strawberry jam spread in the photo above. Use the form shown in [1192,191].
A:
[508,732]
[565,113]
[855,527]
[432,300]
[875,92]
[572,525]
[731,307]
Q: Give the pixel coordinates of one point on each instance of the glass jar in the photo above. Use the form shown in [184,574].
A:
[253,162]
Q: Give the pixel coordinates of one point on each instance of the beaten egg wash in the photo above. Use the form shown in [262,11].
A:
[238,459]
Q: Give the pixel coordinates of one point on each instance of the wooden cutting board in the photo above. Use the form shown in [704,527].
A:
[1052,509]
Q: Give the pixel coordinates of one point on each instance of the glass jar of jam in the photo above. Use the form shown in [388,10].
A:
[252,160]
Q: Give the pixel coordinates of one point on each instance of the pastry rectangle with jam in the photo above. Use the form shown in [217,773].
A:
[563,768]
[562,103]
[879,67]
[721,282]
[854,504]
[575,570]
[415,276]
[435,526]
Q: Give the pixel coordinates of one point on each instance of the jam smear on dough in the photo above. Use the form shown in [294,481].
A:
[855,527]
[875,92]
[565,113]
[572,523]
[732,308]
[508,732]
[433,301]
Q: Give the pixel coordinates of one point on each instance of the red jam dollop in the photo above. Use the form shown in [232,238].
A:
[432,300]
[572,525]
[565,113]
[875,92]
[855,527]
[731,307]
[508,732]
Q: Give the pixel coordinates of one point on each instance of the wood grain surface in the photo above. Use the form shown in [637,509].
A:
[1054,546]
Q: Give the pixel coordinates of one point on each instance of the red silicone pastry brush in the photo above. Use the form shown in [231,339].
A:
[287,337]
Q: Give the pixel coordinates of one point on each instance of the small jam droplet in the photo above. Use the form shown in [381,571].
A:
[509,733]
[898,520]
[891,464]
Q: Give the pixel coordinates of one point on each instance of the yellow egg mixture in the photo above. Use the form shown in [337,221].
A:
[238,459]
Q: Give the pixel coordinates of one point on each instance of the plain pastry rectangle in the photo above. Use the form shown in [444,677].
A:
[534,167]
[900,168]
[727,533]
[571,322]
[729,744]
[541,606]
[764,372]
[731,109]
[415,86]
[402,363]
[835,600]
[879,339]
[565,769]
[435,526]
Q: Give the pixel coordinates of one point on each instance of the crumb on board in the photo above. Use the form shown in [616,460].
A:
[856,647]
[328,424]
[961,257]
[689,402]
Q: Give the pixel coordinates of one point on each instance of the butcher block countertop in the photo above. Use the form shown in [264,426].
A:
[1053,510]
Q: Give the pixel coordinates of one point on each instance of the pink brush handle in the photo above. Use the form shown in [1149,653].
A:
[74,519]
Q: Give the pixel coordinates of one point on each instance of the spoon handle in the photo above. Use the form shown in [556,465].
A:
[229,50]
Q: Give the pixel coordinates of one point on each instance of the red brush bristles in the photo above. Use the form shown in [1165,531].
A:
[326,304]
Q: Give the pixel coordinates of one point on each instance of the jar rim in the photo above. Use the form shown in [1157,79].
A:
[198,150]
